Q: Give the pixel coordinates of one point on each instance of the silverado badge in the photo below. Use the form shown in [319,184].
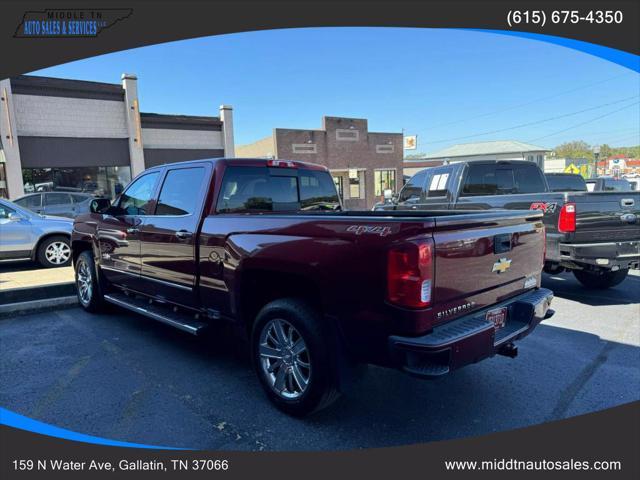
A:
[501,266]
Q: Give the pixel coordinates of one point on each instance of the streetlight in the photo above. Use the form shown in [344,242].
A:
[596,155]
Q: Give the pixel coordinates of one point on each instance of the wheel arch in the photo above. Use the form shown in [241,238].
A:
[44,237]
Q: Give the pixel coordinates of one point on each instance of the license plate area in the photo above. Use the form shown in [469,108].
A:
[498,316]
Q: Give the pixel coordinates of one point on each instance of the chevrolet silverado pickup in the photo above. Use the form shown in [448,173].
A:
[265,246]
[596,235]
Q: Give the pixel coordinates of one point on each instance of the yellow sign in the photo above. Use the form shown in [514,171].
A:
[572,169]
[411,142]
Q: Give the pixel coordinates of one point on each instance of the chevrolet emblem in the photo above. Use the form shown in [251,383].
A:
[501,265]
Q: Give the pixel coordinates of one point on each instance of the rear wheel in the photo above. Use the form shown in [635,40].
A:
[600,280]
[54,251]
[88,287]
[292,357]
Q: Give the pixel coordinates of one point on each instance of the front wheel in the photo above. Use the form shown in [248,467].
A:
[600,280]
[87,284]
[54,251]
[292,357]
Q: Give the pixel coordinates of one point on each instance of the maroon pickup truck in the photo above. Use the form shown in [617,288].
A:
[265,246]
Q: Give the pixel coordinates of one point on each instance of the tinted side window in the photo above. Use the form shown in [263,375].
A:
[56,199]
[252,189]
[180,191]
[617,186]
[135,199]
[413,188]
[488,180]
[528,179]
[32,201]
[503,180]
[566,183]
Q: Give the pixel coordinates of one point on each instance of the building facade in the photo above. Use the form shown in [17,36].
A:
[79,136]
[363,163]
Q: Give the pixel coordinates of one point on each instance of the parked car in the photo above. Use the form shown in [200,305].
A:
[608,184]
[565,182]
[25,235]
[634,181]
[265,246]
[61,204]
[596,235]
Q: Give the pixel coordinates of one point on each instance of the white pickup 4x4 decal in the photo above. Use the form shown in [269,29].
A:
[371,229]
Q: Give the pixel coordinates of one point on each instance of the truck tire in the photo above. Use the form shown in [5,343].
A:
[291,353]
[54,251]
[600,280]
[89,288]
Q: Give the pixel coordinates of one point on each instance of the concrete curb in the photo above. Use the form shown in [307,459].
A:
[40,292]
[34,306]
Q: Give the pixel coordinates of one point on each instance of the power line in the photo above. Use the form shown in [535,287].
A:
[584,123]
[522,125]
[531,102]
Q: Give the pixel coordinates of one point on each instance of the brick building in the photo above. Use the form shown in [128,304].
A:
[71,135]
[363,163]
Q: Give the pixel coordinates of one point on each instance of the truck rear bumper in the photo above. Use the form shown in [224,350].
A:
[625,254]
[471,338]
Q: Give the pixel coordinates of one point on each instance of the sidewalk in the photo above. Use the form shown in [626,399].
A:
[33,277]
[28,287]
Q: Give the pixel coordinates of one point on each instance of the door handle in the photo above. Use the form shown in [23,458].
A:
[133,230]
[183,234]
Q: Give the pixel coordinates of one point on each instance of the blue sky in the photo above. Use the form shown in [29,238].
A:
[446,86]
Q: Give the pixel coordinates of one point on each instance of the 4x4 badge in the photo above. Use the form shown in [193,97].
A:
[501,265]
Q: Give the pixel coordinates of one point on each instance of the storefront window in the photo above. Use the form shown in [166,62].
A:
[384,180]
[102,181]
[356,184]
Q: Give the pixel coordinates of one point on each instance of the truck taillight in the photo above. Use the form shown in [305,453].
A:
[410,274]
[567,218]
[281,163]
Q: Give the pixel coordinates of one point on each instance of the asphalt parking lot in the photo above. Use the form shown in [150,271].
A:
[125,377]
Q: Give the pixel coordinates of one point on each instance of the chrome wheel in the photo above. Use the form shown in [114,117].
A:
[284,359]
[85,284]
[57,253]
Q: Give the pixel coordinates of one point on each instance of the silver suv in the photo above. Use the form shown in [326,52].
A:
[25,235]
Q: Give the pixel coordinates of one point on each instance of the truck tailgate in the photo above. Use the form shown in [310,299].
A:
[484,261]
[606,216]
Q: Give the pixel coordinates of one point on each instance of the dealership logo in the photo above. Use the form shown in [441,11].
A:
[69,23]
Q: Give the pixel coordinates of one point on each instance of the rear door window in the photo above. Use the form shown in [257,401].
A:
[180,191]
[262,189]
[491,179]
[30,202]
[566,183]
[614,185]
[51,199]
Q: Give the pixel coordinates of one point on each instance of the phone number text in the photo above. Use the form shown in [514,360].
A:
[541,17]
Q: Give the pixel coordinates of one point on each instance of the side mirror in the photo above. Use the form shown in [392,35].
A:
[14,217]
[99,205]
